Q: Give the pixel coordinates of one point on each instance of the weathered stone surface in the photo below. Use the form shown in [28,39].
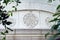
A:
[27,34]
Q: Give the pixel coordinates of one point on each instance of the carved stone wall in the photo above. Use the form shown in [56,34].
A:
[29,25]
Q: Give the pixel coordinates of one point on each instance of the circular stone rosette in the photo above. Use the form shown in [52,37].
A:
[49,24]
[30,20]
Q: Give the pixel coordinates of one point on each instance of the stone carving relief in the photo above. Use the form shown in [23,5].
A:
[30,20]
